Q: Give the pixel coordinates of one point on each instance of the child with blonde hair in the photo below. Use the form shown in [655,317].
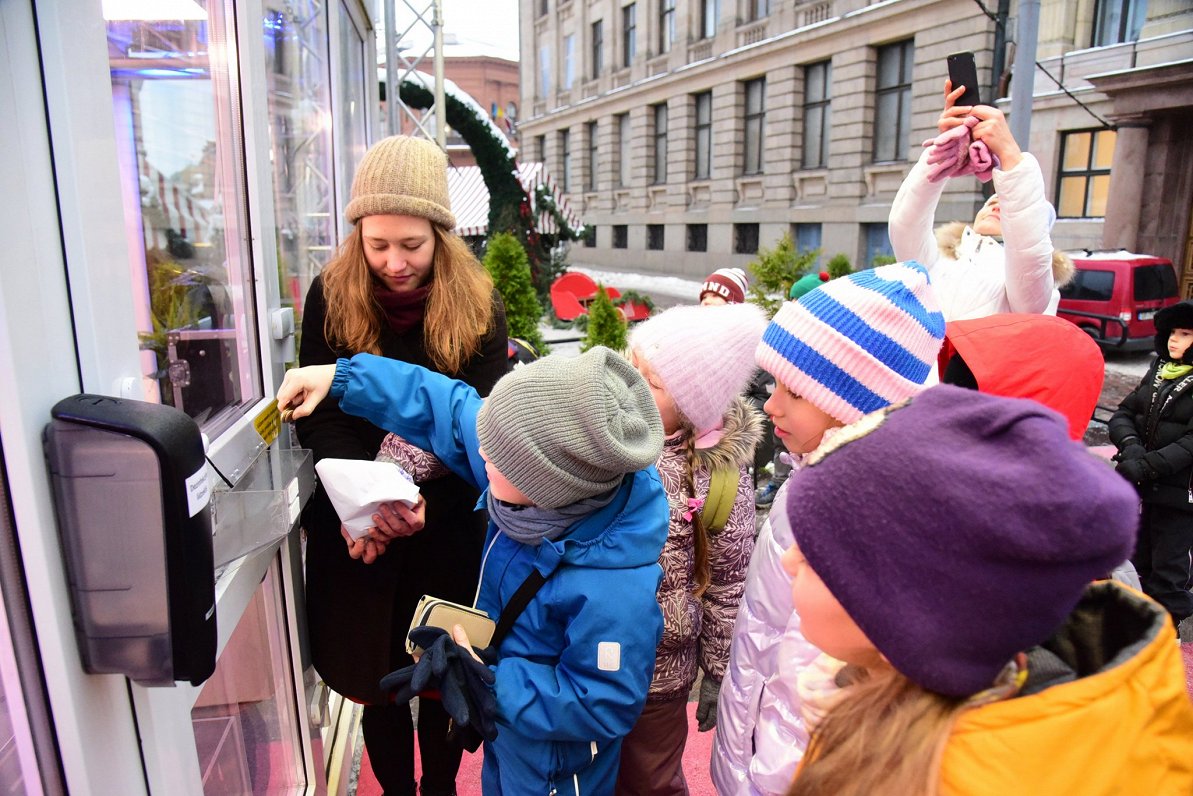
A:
[696,361]
[979,657]
[852,346]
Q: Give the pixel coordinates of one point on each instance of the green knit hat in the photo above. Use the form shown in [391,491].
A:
[806,284]
[401,175]
[562,429]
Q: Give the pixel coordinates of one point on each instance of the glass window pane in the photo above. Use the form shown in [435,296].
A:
[813,125]
[888,66]
[179,136]
[886,115]
[300,144]
[814,83]
[1099,191]
[904,100]
[1071,203]
[1104,149]
[826,127]
[245,724]
[351,105]
[1076,152]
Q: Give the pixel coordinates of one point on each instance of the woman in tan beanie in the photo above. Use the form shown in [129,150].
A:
[403,286]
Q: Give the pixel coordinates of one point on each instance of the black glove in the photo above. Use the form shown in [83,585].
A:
[1135,470]
[1130,451]
[706,710]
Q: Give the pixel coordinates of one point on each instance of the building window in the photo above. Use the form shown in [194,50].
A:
[540,148]
[629,33]
[755,91]
[590,237]
[660,143]
[654,237]
[544,7]
[807,238]
[565,152]
[620,236]
[745,238]
[569,60]
[710,10]
[623,149]
[697,238]
[1118,21]
[892,101]
[598,49]
[1083,184]
[878,244]
[703,165]
[666,25]
[758,9]
[544,71]
[818,81]
[593,160]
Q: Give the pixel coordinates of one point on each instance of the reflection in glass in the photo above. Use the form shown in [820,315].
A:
[245,724]
[179,139]
[352,115]
[295,34]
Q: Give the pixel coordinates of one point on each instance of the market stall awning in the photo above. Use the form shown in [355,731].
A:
[470,198]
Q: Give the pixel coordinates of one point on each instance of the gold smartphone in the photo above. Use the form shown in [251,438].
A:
[434,612]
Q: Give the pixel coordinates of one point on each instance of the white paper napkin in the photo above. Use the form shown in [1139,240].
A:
[358,487]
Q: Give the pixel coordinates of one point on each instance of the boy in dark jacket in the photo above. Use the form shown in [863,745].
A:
[1154,436]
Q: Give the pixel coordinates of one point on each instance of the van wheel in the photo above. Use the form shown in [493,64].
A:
[1092,331]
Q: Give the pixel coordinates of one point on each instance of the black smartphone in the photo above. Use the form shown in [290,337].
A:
[963,72]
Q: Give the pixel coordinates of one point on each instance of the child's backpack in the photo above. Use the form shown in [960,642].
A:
[722,490]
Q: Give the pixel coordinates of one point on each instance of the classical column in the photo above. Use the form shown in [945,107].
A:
[1120,229]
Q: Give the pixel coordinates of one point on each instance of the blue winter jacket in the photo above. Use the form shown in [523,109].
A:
[574,671]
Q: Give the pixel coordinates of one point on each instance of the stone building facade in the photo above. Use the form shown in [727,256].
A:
[692,132]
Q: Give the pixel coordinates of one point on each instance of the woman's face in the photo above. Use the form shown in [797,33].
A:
[822,619]
[662,399]
[400,250]
[988,221]
[799,424]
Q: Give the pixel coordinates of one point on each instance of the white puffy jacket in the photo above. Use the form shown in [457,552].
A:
[760,734]
[985,277]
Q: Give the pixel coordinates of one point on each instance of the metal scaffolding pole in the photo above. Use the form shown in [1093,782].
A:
[402,60]
[1024,77]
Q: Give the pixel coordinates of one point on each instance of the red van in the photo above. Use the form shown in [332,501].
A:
[1115,295]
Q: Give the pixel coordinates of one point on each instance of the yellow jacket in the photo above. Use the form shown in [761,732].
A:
[1124,726]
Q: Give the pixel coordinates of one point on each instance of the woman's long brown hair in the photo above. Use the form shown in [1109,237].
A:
[703,570]
[459,309]
[885,737]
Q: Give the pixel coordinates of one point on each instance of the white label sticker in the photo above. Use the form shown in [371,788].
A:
[609,656]
[198,491]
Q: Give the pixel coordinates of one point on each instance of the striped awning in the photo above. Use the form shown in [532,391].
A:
[470,198]
[166,205]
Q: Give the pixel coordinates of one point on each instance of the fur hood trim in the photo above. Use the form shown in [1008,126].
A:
[948,236]
[739,437]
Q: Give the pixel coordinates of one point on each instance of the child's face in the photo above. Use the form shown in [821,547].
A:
[501,488]
[662,399]
[1178,342]
[799,424]
[712,300]
[822,619]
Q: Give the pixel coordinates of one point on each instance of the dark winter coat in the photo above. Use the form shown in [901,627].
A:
[1160,412]
[358,614]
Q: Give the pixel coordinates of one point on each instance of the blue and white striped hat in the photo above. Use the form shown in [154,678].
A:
[858,343]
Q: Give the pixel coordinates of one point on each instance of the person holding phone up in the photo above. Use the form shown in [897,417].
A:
[1003,261]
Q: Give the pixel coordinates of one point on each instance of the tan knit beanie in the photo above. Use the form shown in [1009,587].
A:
[562,429]
[401,175]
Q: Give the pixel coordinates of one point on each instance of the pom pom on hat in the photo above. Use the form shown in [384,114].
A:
[702,356]
[857,343]
[402,175]
[730,284]
[1019,521]
[562,429]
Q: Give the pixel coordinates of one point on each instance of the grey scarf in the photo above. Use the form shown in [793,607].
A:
[532,524]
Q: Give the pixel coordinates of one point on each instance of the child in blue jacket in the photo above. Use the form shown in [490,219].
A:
[564,449]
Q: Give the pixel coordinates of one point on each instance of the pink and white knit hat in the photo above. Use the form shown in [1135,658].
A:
[858,343]
[702,356]
[730,284]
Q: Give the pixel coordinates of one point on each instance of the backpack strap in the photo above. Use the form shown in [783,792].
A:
[517,604]
[722,490]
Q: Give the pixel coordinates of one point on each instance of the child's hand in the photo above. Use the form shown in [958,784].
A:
[396,519]
[460,636]
[303,389]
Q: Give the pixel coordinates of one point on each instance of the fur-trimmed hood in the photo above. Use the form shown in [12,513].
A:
[1178,316]
[740,435]
[948,236]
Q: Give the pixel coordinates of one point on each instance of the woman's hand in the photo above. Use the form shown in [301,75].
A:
[994,132]
[396,519]
[304,388]
[952,115]
[366,548]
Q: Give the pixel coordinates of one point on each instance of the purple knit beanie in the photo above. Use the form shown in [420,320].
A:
[959,529]
[703,355]
[859,343]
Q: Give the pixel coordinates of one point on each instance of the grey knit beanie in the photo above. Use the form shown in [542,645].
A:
[562,429]
[401,175]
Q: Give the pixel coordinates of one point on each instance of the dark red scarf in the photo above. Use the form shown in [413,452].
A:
[404,310]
